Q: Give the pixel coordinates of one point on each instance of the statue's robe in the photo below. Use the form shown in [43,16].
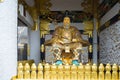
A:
[70,37]
[73,36]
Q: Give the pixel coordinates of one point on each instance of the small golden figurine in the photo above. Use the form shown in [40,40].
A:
[81,72]
[94,75]
[33,72]
[101,72]
[66,72]
[73,73]
[108,73]
[20,71]
[114,73]
[47,72]
[60,74]
[53,72]
[87,72]
[40,71]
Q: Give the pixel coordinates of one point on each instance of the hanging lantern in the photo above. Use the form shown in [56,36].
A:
[90,48]
[42,48]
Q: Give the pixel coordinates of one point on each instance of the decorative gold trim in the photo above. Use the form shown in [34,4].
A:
[42,48]
[36,26]
[89,33]
[44,28]
[90,48]
[41,7]
[28,50]
[107,23]
[91,6]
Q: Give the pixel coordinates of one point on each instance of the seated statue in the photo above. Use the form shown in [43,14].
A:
[66,43]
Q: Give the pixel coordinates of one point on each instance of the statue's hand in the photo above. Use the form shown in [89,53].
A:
[60,41]
[74,40]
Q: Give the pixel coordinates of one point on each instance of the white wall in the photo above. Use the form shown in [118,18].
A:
[110,44]
[27,19]
[109,38]
[8,39]
[35,45]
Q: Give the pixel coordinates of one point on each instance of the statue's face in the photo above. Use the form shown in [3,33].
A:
[66,22]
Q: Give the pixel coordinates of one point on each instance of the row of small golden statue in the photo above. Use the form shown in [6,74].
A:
[66,43]
[68,72]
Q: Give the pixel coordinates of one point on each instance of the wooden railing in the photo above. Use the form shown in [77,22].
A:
[67,72]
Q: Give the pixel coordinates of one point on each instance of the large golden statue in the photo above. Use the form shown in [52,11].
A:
[66,43]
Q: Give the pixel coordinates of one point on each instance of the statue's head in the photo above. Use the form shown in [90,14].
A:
[66,22]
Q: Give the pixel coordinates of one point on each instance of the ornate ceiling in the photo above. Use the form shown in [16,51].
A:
[81,11]
[43,9]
